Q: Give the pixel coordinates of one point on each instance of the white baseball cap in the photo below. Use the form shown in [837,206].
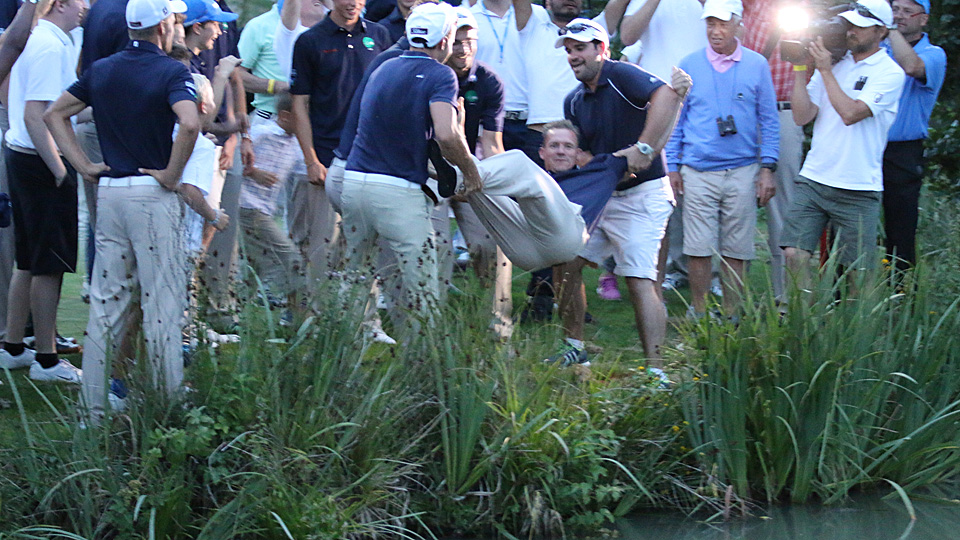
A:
[867,13]
[428,24]
[465,18]
[147,13]
[583,30]
[722,9]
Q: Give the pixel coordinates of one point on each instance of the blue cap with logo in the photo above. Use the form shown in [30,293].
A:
[201,11]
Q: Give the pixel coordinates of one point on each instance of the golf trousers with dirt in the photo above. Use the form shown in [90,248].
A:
[140,251]
[526,212]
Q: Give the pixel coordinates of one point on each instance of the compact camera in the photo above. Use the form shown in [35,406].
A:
[726,127]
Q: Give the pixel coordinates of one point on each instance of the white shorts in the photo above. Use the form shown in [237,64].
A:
[631,228]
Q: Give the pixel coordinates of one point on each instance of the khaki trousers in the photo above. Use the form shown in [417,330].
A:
[315,227]
[140,251]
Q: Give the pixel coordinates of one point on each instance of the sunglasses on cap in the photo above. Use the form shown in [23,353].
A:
[863,11]
[573,29]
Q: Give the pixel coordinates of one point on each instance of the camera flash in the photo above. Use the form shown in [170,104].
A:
[793,19]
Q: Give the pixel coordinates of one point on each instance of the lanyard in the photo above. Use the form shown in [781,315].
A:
[496,35]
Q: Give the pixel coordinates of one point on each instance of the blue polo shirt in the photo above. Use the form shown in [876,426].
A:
[613,116]
[919,97]
[483,98]
[104,31]
[328,65]
[352,120]
[592,185]
[132,94]
[395,121]
[395,24]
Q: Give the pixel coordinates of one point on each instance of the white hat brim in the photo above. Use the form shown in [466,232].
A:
[859,20]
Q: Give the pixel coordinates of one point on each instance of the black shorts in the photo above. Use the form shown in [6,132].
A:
[44,215]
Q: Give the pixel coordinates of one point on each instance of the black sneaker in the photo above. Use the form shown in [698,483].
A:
[569,356]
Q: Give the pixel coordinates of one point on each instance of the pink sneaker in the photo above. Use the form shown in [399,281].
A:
[607,287]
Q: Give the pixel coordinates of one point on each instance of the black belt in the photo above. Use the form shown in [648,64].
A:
[784,106]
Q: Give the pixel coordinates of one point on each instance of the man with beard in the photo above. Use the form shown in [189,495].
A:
[854,103]
[137,96]
[620,108]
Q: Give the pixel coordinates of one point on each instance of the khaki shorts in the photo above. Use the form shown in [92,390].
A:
[631,228]
[855,215]
[720,212]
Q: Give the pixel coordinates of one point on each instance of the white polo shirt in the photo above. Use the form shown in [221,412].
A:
[549,77]
[47,66]
[498,46]
[675,30]
[850,157]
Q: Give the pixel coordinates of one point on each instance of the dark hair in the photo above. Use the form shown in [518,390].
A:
[143,34]
[560,124]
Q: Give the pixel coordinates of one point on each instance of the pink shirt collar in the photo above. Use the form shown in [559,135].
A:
[721,62]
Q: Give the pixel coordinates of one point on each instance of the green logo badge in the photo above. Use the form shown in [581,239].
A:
[368,43]
[471,96]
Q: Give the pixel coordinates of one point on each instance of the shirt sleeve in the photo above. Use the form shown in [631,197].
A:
[446,89]
[250,46]
[635,84]
[935,65]
[43,75]
[81,88]
[301,71]
[767,117]
[881,92]
[181,86]
[283,41]
[491,117]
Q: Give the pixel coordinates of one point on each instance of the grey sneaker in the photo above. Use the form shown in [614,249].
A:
[63,372]
[22,360]
[569,356]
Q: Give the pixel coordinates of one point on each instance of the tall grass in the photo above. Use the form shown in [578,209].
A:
[838,393]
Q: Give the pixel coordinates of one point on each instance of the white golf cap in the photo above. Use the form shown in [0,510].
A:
[465,18]
[147,13]
[870,13]
[722,9]
[428,24]
[583,30]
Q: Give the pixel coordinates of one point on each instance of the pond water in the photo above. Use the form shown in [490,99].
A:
[863,518]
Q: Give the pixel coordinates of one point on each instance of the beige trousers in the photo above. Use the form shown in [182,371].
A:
[140,251]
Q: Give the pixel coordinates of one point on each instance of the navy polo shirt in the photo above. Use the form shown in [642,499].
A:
[352,120]
[132,94]
[613,116]
[592,185]
[8,10]
[395,120]
[395,24]
[482,93]
[104,31]
[328,65]
[377,10]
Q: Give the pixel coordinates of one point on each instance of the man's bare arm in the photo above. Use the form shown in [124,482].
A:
[636,24]
[491,142]
[57,119]
[259,85]
[804,110]
[290,14]
[908,58]
[15,37]
[662,112]
[453,145]
[33,112]
[613,13]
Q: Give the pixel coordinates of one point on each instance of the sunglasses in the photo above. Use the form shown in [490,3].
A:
[863,11]
[574,29]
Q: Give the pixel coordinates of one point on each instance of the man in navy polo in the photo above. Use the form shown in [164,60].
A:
[137,96]
[408,100]
[328,63]
[618,106]
[925,65]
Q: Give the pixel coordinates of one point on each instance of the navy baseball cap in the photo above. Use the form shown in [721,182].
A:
[201,11]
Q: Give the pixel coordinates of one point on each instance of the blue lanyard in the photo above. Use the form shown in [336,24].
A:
[496,35]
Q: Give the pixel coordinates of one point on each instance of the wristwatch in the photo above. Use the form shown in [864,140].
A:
[771,166]
[644,148]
